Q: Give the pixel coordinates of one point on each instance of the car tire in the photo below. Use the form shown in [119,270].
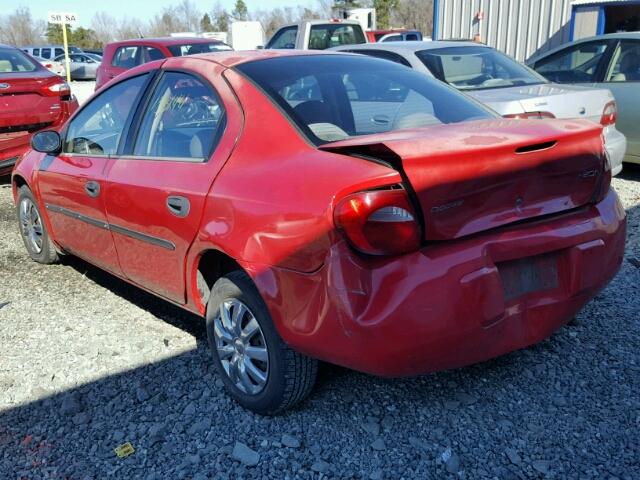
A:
[33,231]
[285,377]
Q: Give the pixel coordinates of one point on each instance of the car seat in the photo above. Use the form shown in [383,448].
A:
[629,68]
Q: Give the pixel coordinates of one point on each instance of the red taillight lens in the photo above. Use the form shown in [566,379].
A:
[530,115]
[379,222]
[57,89]
[609,114]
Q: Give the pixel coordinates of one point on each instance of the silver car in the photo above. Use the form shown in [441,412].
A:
[611,61]
[83,66]
[503,84]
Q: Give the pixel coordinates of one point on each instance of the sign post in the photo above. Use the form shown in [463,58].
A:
[64,19]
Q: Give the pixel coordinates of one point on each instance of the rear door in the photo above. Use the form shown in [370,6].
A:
[72,185]
[623,79]
[156,193]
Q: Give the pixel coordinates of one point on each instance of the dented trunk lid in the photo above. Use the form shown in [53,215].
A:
[475,176]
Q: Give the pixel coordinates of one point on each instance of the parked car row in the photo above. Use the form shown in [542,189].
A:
[330,206]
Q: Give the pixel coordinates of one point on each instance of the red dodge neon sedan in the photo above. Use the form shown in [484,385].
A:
[327,207]
[31,98]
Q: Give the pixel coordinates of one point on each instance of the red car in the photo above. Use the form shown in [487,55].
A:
[119,57]
[327,206]
[31,98]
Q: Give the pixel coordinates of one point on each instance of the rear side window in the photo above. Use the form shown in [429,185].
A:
[284,38]
[14,61]
[331,97]
[97,129]
[185,119]
[36,52]
[126,57]
[575,64]
[330,35]
[46,53]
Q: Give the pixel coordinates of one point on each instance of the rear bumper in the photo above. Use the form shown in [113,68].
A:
[444,307]
[616,145]
[12,146]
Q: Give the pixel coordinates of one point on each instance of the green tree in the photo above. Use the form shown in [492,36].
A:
[240,11]
[384,9]
[205,23]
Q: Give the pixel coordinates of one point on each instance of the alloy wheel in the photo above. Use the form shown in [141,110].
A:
[241,346]
[31,225]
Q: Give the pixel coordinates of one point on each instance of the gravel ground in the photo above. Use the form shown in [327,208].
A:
[88,363]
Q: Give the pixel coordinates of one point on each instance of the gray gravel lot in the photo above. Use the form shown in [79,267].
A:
[88,363]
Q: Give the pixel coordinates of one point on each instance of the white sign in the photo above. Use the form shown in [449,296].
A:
[63,17]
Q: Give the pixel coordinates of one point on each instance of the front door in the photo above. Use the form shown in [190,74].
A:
[72,184]
[157,192]
[623,79]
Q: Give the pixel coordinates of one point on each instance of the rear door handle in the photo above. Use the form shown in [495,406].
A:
[92,188]
[178,206]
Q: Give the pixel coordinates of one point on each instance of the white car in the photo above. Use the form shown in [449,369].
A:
[506,86]
[52,65]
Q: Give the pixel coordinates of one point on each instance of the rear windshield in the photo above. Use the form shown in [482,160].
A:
[476,68]
[193,48]
[330,35]
[334,97]
[13,61]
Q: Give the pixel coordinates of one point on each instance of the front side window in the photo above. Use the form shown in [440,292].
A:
[392,38]
[331,97]
[60,51]
[185,118]
[575,64]
[97,129]
[14,61]
[625,66]
[330,35]
[195,48]
[126,57]
[476,68]
[284,38]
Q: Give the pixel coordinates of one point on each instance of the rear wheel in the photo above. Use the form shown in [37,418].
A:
[33,230]
[258,369]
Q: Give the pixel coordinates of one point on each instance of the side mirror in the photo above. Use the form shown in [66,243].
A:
[47,142]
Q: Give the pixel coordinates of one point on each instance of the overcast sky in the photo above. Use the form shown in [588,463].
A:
[141,9]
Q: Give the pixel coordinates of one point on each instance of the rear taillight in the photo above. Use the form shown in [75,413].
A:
[609,114]
[57,89]
[605,179]
[379,222]
[530,115]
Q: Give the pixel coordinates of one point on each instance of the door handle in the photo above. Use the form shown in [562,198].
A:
[92,188]
[380,119]
[178,206]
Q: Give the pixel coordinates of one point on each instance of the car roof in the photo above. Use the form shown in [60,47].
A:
[232,58]
[409,46]
[321,22]
[167,41]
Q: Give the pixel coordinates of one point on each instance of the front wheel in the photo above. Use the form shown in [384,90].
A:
[33,230]
[258,369]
